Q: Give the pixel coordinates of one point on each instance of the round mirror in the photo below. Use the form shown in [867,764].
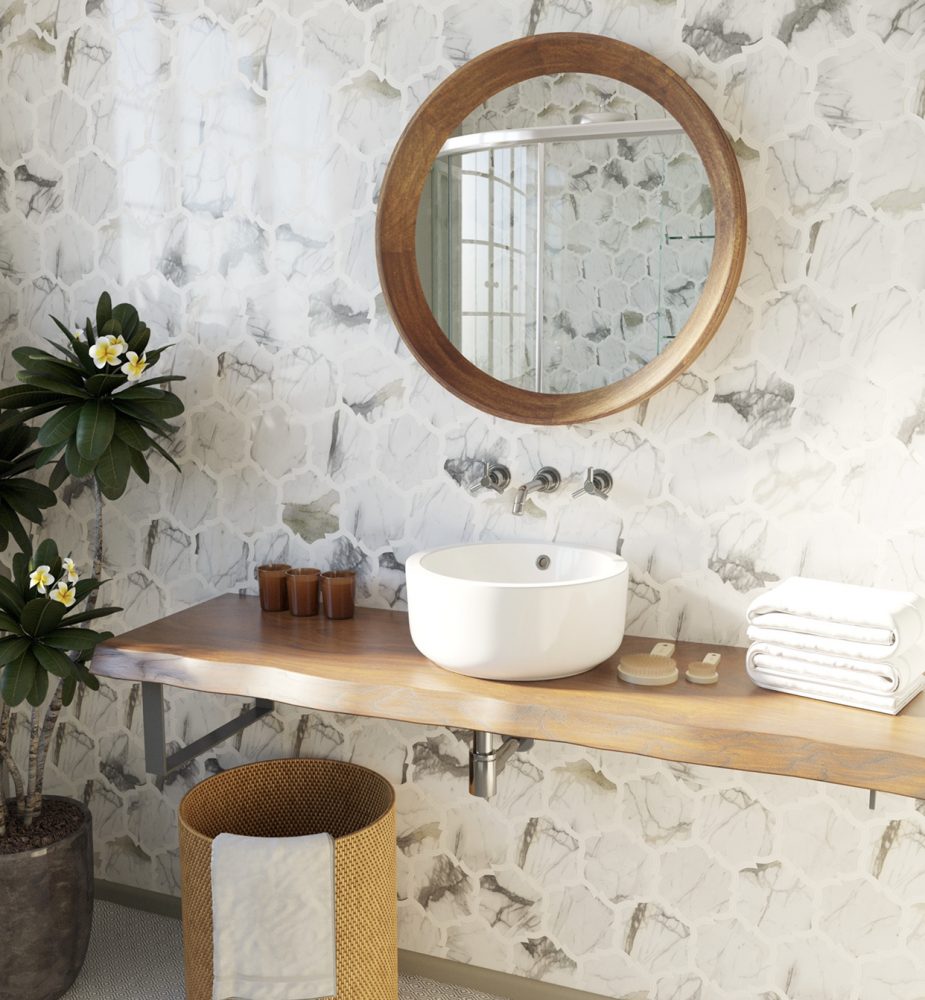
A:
[557,243]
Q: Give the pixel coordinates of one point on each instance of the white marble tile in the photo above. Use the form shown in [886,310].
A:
[859,87]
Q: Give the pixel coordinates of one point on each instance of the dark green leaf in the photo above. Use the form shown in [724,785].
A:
[75,638]
[139,341]
[15,418]
[21,567]
[15,526]
[127,317]
[68,690]
[11,600]
[127,430]
[61,426]
[86,616]
[39,689]
[27,355]
[21,505]
[12,647]
[105,383]
[113,468]
[45,455]
[87,678]
[82,351]
[53,384]
[18,396]
[41,615]
[166,455]
[53,660]
[16,441]
[159,379]
[8,623]
[137,413]
[46,554]
[139,465]
[95,429]
[18,677]
[103,310]
[36,493]
[155,355]
[77,466]
[58,474]
[85,587]
[111,328]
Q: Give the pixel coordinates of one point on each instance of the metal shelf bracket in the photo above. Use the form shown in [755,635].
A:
[157,760]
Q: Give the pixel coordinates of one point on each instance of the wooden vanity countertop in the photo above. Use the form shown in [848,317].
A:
[368,666]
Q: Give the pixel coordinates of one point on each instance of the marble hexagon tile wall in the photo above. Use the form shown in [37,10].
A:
[218,164]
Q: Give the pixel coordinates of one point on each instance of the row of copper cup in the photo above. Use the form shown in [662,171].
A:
[283,588]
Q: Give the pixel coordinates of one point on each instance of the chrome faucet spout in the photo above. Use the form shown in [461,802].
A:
[547,480]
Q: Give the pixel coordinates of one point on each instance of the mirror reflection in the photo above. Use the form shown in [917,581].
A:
[565,233]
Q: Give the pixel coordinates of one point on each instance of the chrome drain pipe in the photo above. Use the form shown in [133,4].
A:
[486,761]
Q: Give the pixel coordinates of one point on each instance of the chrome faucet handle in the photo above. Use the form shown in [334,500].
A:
[598,483]
[548,479]
[496,478]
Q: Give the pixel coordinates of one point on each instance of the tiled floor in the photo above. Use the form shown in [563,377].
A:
[140,956]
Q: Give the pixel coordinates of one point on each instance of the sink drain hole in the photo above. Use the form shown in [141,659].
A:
[543,562]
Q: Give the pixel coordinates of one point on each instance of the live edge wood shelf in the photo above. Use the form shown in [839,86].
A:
[369,666]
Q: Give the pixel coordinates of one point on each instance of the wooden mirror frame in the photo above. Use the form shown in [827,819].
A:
[436,120]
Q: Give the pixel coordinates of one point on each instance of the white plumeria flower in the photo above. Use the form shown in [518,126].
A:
[134,366]
[41,578]
[70,570]
[105,352]
[63,594]
[120,343]
[78,334]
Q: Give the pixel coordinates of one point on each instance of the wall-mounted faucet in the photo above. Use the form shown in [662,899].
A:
[495,477]
[598,483]
[547,480]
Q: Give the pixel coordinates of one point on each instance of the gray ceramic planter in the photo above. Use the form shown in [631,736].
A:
[45,916]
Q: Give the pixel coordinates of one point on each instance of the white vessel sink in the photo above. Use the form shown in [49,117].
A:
[517,611]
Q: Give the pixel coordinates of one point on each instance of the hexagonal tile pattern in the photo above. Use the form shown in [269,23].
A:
[218,163]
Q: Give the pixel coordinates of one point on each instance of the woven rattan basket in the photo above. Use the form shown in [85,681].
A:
[292,798]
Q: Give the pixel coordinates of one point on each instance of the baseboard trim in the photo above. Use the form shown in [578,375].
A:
[498,984]
[137,899]
[410,963]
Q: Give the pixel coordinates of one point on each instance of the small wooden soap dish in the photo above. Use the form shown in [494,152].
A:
[649,669]
[705,671]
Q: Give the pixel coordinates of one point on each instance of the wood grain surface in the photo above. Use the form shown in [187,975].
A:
[368,666]
[437,119]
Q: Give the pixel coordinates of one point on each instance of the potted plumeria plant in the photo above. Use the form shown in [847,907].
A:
[102,414]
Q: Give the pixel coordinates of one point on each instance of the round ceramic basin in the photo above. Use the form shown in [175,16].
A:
[517,611]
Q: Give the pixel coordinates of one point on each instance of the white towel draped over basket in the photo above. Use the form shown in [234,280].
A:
[273,917]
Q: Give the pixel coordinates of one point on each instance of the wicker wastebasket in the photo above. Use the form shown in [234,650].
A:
[294,798]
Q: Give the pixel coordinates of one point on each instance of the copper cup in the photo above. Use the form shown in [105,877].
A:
[271,579]
[338,592]
[302,585]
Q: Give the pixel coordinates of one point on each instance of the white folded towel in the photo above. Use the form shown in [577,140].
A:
[838,618]
[777,671]
[273,931]
[882,677]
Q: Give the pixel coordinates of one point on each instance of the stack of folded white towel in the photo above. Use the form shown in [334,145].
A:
[839,642]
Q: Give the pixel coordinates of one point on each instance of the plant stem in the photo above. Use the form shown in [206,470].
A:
[96,539]
[7,762]
[5,713]
[35,733]
[48,727]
